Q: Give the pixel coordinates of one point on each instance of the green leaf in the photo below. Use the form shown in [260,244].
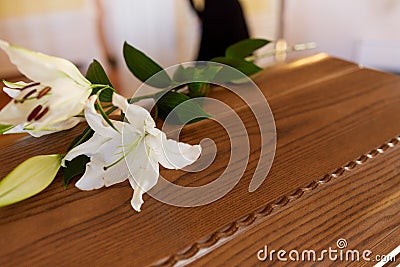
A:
[245,48]
[29,178]
[201,73]
[205,73]
[144,67]
[198,89]
[105,94]
[179,74]
[73,168]
[87,133]
[183,75]
[184,113]
[198,78]
[96,75]
[168,102]
[248,68]
[5,128]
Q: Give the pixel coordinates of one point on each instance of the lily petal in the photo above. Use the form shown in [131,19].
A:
[15,114]
[13,93]
[107,156]
[145,171]
[60,126]
[87,148]
[12,89]
[116,174]
[62,106]
[172,154]
[40,67]
[133,152]
[111,157]
[137,199]
[147,103]
[137,116]
[58,93]
[67,124]
[96,176]
[16,85]
[96,121]
[92,178]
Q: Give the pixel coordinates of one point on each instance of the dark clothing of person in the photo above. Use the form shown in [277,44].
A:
[223,24]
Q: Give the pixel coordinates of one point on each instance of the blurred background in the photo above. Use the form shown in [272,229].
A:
[363,31]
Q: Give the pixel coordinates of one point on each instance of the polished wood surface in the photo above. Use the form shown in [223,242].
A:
[335,175]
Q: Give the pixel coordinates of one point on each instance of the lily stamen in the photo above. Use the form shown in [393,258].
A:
[114,163]
[50,78]
[41,114]
[131,148]
[142,145]
[29,94]
[44,92]
[25,97]
[34,113]
[29,85]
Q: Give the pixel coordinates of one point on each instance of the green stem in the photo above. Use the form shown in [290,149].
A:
[83,138]
[104,86]
[111,110]
[108,106]
[297,47]
[88,130]
[105,115]
[136,99]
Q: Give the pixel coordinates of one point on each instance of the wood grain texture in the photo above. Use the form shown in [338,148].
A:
[328,113]
[359,203]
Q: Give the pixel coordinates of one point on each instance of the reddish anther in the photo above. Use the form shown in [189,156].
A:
[30,85]
[29,94]
[43,92]
[34,112]
[41,114]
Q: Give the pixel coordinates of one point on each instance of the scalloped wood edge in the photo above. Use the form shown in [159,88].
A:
[230,229]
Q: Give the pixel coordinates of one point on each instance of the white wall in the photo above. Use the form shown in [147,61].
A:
[262,17]
[166,30]
[70,34]
[364,31]
[169,30]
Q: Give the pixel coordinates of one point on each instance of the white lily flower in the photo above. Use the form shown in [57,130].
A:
[133,152]
[49,103]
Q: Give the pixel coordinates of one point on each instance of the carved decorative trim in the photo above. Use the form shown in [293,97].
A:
[230,229]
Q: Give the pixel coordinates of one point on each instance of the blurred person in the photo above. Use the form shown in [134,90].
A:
[223,24]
